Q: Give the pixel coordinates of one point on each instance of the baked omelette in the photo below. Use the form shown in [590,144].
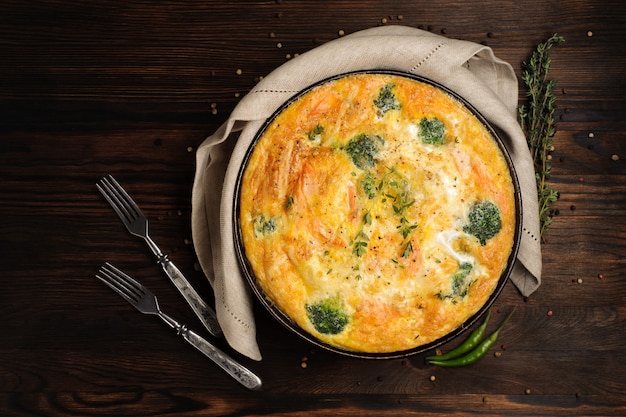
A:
[377,212]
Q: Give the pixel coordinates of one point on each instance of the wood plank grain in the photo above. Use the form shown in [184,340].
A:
[130,88]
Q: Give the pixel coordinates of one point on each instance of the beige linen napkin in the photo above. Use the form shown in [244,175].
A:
[467,68]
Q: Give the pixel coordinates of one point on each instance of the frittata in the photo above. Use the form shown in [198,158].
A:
[377,212]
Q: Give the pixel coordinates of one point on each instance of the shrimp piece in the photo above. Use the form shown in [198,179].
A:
[351,190]
[324,106]
[414,260]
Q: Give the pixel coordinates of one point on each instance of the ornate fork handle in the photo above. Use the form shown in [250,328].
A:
[194,300]
[234,369]
[241,374]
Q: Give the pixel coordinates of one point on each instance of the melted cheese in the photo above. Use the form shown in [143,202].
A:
[385,238]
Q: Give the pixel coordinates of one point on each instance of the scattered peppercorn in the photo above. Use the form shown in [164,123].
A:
[341,32]
[239,71]
[591,135]
[279,45]
[600,276]
[579,280]
[527,392]
[503,346]
[497,354]
[589,33]
[432,378]
[550,313]
[615,157]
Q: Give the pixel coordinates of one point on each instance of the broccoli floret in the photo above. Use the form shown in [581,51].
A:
[362,149]
[460,286]
[386,100]
[432,131]
[484,221]
[460,283]
[327,316]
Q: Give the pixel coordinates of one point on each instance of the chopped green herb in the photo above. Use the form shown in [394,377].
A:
[405,228]
[368,185]
[289,203]
[263,226]
[360,243]
[315,135]
[407,249]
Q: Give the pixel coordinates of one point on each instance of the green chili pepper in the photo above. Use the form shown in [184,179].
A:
[477,353]
[470,343]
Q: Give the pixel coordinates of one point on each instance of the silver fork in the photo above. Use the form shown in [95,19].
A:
[137,224]
[146,302]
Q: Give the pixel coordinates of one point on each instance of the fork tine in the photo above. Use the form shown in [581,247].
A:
[127,198]
[121,283]
[118,198]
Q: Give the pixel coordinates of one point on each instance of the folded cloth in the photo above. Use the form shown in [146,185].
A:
[469,69]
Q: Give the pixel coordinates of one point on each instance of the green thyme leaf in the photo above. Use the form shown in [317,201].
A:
[537,121]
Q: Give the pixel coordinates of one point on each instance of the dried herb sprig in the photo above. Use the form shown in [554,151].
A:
[537,121]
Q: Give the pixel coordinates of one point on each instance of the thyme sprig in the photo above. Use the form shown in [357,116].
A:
[537,121]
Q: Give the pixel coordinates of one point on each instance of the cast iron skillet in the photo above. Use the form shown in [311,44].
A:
[292,326]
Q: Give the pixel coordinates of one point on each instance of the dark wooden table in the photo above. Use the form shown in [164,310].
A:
[133,87]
